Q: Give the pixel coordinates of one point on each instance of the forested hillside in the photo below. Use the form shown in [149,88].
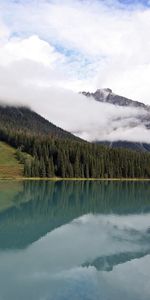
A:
[27,122]
[55,152]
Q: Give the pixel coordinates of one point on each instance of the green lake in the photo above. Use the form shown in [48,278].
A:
[74,240]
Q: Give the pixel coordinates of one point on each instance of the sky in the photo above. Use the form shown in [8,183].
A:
[52,49]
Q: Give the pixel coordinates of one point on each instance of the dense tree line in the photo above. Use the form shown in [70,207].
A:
[67,158]
[63,155]
[82,160]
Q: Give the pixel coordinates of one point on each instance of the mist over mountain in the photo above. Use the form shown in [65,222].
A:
[124,129]
[107,95]
[96,117]
[53,152]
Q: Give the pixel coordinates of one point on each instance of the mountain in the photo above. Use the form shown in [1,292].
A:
[26,120]
[48,151]
[142,147]
[107,95]
[16,125]
[142,119]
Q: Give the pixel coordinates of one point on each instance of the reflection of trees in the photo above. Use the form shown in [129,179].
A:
[41,206]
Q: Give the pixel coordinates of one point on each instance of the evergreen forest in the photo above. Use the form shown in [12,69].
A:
[54,152]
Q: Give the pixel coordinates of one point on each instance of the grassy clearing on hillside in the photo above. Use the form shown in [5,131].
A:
[9,165]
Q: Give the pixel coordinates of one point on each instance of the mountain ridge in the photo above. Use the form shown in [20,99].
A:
[57,153]
[22,117]
[107,95]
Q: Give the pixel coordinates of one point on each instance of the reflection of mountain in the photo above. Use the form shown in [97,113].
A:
[40,207]
[106,263]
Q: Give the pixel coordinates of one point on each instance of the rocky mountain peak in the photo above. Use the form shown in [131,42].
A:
[107,90]
[107,95]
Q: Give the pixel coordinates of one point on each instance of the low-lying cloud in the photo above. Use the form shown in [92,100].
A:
[84,117]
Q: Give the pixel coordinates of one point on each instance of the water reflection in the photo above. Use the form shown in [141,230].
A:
[40,207]
[76,240]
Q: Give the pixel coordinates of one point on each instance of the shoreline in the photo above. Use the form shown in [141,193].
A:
[72,179]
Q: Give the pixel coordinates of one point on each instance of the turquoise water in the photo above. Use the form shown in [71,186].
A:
[74,240]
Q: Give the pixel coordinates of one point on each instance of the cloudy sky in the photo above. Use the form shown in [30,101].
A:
[52,49]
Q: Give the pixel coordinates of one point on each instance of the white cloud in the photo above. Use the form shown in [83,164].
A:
[49,46]
[82,116]
[4,32]
[104,43]
[108,42]
[32,48]
[30,61]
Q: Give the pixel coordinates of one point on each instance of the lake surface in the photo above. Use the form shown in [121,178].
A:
[74,240]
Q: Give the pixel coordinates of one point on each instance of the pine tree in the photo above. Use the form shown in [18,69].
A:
[42,168]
